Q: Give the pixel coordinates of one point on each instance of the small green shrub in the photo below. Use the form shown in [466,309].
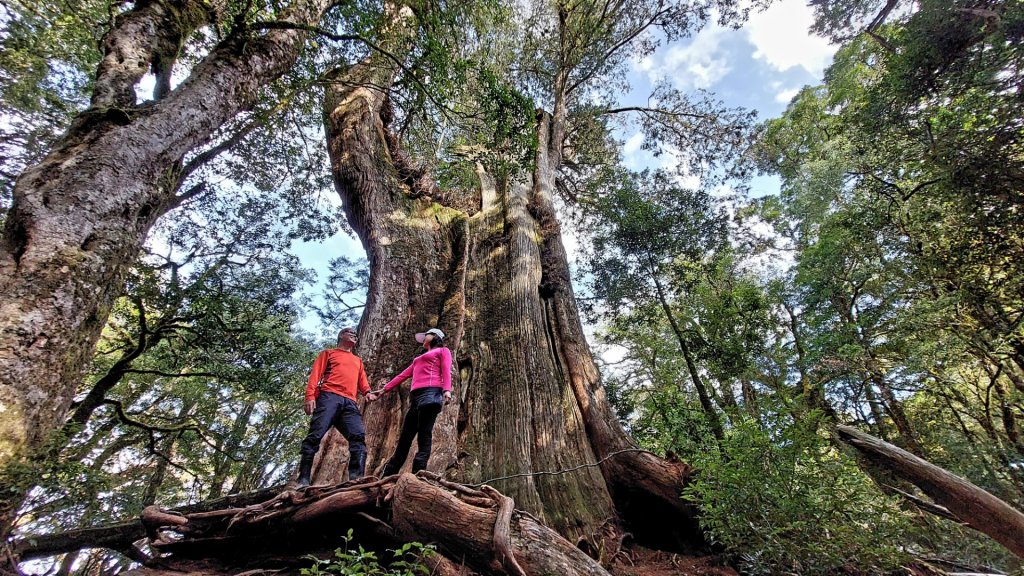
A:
[785,501]
[406,561]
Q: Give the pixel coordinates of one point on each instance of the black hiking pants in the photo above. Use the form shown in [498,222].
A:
[342,413]
[418,423]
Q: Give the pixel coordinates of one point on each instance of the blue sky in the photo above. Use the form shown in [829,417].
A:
[761,66]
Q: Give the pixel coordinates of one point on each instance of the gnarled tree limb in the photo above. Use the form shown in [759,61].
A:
[972,504]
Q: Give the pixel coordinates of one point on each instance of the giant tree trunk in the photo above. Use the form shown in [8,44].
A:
[531,416]
[80,216]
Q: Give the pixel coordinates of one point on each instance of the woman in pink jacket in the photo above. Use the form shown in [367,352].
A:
[431,374]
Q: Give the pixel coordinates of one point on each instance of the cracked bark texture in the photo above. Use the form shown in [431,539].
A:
[496,279]
[80,216]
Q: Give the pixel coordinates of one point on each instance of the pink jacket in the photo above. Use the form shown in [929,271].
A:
[432,368]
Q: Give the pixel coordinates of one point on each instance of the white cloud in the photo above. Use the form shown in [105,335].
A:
[697,64]
[786,96]
[632,145]
[725,194]
[645,64]
[782,38]
[678,164]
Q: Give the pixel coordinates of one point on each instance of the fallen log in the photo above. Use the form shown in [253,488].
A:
[121,535]
[973,505]
[112,537]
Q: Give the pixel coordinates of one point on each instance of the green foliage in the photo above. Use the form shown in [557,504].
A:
[784,501]
[495,127]
[47,53]
[649,235]
[512,115]
[901,204]
[195,384]
[453,103]
[900,199]
[340,306]
[405,561]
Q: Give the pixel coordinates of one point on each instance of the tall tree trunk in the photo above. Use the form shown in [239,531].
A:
[750,402]
[899,416]
[691,366]
[229,450]
[530,416]
[877,413]
[79,217]
[810,388]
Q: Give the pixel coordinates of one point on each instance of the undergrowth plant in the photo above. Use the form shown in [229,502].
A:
[348,561]
[783,500]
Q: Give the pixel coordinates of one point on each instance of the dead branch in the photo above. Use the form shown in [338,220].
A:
[972,504]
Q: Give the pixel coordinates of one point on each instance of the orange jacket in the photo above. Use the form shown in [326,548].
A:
[342,374]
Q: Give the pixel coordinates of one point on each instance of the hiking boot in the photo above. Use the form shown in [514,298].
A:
[305,471]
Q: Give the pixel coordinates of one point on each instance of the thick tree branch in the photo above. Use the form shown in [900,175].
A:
[972,504]
[97,394]
[146,37]
[409,73]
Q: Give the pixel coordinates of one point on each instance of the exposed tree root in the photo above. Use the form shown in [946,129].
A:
[475,531]
[425,511]
[502,531]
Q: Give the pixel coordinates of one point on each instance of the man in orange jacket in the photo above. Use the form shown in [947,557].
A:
[337,377]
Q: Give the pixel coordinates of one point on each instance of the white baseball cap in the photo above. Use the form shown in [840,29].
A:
[420,336]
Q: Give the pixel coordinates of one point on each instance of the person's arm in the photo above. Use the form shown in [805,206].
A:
[314,378]
[372,396]
[363,385]
[398,379]
[446,373]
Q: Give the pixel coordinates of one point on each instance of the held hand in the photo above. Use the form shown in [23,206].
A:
[371,396]
[309,406]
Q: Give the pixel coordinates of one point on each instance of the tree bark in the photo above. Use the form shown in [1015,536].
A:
[148,37]
[424,512]
[79,217]
[530,416]
[971,504]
